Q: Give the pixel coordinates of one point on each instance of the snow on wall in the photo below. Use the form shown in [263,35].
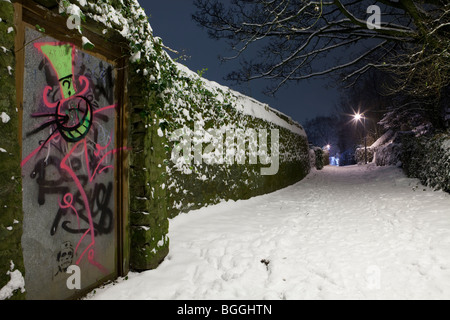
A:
[183,100]
[195,105]
[16,282]
[250,106]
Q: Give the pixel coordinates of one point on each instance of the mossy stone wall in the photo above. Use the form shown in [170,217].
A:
[210,184]
[148,212]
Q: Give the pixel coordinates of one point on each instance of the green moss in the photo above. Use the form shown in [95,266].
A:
[148,211]
[11,215]
[150,246]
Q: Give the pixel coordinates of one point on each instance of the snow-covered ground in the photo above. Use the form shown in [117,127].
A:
[358,232]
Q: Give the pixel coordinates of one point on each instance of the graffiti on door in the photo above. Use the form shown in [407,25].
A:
[72,163]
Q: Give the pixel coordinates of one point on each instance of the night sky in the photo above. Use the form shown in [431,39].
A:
[172,21]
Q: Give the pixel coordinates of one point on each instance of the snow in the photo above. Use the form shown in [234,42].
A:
[5,118]
[383,139]
[160,132]
[135,56]
[446,144]
[15,283]
[357,232]
[129,20]
[71,9]
[259,110]
[85,41]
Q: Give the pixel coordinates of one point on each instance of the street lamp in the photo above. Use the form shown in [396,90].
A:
[358,117]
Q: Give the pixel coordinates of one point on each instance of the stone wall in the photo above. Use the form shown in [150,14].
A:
[148,216]
[199,181]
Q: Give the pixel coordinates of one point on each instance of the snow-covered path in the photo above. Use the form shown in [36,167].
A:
[358,232]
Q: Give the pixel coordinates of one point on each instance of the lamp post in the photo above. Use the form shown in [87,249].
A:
[358,117]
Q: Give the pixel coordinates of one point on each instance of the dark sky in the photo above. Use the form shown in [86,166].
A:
[172,21]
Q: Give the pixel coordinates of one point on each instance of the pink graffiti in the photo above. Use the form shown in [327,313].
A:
[85,200]
[52,105]
[103,153]
[68,200]
[36,151]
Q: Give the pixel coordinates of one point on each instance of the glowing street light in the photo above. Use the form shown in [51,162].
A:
[358,117]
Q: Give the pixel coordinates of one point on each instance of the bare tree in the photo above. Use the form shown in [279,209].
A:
[299,39]
[322,130]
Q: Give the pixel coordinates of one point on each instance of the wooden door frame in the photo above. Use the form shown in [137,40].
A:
[29,14]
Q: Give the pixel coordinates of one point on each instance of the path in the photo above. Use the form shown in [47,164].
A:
[358,232]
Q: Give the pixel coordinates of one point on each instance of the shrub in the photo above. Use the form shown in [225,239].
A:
[427,158]
[361,155]
[319,157]
[388,154]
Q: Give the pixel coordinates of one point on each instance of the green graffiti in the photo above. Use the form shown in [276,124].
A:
[61,58]
[82,124]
